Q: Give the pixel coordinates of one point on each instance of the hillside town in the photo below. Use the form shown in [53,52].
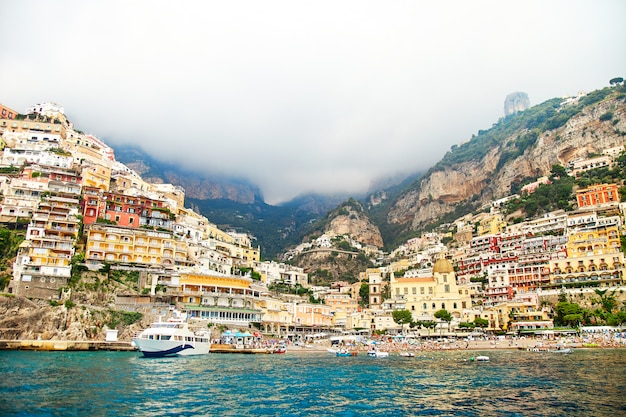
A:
[86,216]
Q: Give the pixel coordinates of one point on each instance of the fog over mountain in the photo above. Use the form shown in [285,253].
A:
[321,97]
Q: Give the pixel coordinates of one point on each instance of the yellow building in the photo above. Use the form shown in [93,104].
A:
[595,241]
[491,225]
[276,315]
[594,257]
[217,298]
[308,315]
[106,243]
[341,305]
[424,295]
[26,125]
[96,176]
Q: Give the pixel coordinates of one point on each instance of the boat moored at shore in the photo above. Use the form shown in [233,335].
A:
[171,338]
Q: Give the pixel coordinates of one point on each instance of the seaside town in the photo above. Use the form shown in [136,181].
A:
[482,282]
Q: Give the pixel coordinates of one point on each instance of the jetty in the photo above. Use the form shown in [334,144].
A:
[228,348]
[66,345]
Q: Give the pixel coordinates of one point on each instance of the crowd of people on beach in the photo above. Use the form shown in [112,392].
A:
[391,344]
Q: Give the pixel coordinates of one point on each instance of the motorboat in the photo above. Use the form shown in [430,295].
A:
[480,359]
[561,350]
[346,352]
[377,354]
[171,338]
[408,354]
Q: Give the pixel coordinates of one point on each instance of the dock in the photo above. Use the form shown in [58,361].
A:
[66,345]
[227,348]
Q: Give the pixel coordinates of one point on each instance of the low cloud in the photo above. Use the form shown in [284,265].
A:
[298,97]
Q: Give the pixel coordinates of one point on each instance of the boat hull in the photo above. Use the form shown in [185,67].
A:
[373,354]
[163,348]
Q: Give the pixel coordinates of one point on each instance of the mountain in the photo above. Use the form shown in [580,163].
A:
[518,148]
[196,184]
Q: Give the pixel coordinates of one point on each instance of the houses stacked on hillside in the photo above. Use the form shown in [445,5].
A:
[78,205]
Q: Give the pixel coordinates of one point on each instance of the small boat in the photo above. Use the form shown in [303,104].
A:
[345,352]
[282,348]
[408,354]
[480,359]
[561,350]
[377,354]
[171,338]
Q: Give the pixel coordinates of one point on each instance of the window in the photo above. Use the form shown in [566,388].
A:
[425,307]
[430,290]
[421,290]
[414,290]
[443,306]
[447,288]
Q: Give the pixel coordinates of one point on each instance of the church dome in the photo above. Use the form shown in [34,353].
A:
[443,266]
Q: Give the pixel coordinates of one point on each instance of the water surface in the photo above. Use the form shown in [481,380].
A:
[513,383]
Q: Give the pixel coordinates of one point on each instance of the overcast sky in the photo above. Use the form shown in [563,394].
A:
[301,96]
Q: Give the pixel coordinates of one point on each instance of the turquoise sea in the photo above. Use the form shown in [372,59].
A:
[513,383]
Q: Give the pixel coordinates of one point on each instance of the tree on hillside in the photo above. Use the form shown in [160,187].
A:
[616,81]
[364,295]
[567,314]
[402,317]
[480,322]
[606,299]
[428,325]
[444,315]
[557,171]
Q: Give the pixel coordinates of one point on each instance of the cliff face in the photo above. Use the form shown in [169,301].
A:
[23,319]
[352,221]
[479,181]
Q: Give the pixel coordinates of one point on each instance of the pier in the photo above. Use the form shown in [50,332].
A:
[66,345]
[228,348]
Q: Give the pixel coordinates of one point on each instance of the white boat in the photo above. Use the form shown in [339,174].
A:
[561,350]
[408,354]
[480,359]
[377,354]
[171,338]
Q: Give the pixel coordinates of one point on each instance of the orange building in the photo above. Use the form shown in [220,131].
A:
[7,113]
[597,194]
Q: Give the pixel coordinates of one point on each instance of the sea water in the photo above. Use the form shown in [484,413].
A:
[513,383]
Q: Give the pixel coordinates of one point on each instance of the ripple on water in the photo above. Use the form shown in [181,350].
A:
[513,383]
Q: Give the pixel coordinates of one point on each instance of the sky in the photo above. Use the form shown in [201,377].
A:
[302,96]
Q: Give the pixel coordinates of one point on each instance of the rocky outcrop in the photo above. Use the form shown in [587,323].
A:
[479,181]
[23,319]
[516,102]
[351,220]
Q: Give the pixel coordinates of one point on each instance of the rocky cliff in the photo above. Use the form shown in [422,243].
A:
[23,319]
[507,160]
[350,219]
[355,223]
